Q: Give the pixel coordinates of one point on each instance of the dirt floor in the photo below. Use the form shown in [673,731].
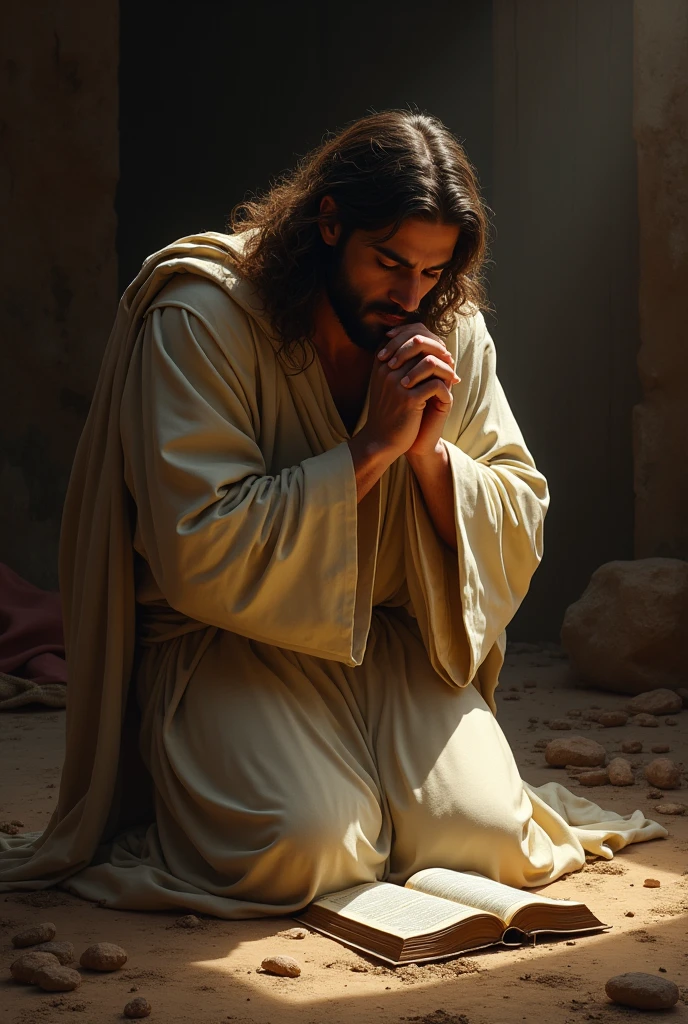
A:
[212,974]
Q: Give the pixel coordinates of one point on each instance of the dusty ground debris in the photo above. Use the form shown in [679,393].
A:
[138,1007]
[285,966]
[103,956]
[52,978]
[32,936]
[642,991]
[24,968]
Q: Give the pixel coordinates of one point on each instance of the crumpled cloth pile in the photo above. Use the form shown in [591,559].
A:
[33,669]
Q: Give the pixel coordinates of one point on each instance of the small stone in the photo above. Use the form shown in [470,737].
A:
[593,715]
[188,921]
[656,702]
[530,685]
[655,794]
[609,719]
[9,828]
[629,913]
[663,773]
[598,777]
[534,721]
[32,936]
[683,694]
[285,966]
[575,750]
[631,747]
[64,951]
[651,883]
[511,696]
[642,991]
[103,956]
[559,724]
[293,933]
[620,772]
[139,1007]
[574,713]
[670,808]
[24,968]
[660,748]
[56,978]
[671,721]
[540,744]
[646,721]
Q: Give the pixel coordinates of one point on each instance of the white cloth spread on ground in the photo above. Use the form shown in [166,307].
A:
[312,679]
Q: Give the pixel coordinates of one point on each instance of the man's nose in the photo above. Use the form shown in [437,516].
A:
[407,293]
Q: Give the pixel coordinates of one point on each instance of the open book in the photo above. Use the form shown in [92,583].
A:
[441,913]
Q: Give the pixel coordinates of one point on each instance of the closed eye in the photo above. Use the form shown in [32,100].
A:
[433,274]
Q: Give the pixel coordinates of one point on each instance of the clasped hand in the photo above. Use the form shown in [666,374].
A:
[410,391]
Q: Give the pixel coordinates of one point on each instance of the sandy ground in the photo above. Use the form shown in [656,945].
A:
[212,974]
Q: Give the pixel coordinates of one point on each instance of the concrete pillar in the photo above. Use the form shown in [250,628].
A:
[58,273]
[661,418]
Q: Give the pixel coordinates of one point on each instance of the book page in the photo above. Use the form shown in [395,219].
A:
[474,890]
[395,909]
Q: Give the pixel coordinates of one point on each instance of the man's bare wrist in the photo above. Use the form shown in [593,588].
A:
[371,459]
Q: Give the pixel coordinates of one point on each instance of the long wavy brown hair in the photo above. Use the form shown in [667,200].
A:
[379,170]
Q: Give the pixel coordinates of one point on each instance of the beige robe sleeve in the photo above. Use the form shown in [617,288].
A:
[464,601]
[271,557]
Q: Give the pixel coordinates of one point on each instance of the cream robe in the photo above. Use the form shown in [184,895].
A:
[314,678]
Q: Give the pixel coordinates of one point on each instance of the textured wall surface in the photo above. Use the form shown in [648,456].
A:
[58,272]
[565,276]
[661,418]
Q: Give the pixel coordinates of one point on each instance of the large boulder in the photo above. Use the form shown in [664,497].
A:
[629,631]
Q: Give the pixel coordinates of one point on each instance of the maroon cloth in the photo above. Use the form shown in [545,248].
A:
[31,638]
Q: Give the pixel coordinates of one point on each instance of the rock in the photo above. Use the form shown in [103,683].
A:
[631,747]
[655,794]
[620,772]
[64,951]
[627,632]
[671,721]
[574,713]
[139,1007]
[646,721]
[642,991]
[530,685]
[24,967]
[293,933]
[663,773]
[533,721]
[660,748]
[598,777]
[9,828]
[285,966]
[609,719]
[540,744]
[188,921]
[683,694]
[559,724]
[651,883]
[655,702]
[32,936]
[575,750]
[628,913]
[593,715]
[103,956]
[56,978]
[510,696]
[669,808]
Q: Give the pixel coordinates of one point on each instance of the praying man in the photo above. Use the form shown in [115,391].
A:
[300,517]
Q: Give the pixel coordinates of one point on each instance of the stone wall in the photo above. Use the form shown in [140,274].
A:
[661,418]
[58,271]
[565,276]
